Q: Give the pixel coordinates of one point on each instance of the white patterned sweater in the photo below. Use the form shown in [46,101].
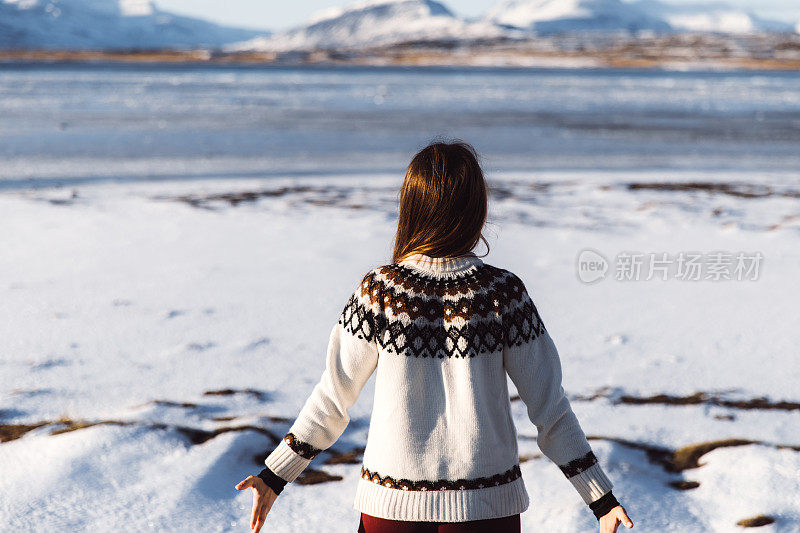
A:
[442,333]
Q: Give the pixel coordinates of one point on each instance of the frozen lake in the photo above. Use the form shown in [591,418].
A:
[98,121]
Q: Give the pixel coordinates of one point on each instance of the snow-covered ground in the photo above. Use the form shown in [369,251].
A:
[162,320]
[133,303]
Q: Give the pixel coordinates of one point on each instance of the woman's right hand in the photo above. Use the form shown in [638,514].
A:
[612,519]
[263,498]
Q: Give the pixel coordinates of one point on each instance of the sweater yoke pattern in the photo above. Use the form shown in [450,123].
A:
[472,313]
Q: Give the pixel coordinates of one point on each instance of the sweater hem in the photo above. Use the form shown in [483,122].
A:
[461,505]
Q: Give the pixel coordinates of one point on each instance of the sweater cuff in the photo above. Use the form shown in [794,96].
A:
[272,480]
[603,505]
[285,462]
[591,483]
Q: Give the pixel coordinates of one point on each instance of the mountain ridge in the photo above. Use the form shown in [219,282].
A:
[141,24]
[108,25]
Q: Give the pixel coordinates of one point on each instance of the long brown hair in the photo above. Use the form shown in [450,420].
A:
[443,202]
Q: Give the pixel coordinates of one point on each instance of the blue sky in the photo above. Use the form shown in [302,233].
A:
[282,14]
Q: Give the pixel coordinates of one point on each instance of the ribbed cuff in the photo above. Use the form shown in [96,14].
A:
[602,506]
[284,462]
[591,483]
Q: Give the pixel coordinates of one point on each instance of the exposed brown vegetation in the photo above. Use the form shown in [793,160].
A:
[168,403]
[9,432]
[351,457]
[685,457]
[230,392]
[695,398]
[688,456]
[683,484]
[199,436]
[740,190]
[764,51]
[312,476]
[756,521]
[710,398]
[74,425]
[235,198]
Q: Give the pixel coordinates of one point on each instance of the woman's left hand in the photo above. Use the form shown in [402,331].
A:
[263,498]
[612,519]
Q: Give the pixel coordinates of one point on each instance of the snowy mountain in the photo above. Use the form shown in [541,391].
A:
[566,16]
[105,24]
[715,17]
[377,22]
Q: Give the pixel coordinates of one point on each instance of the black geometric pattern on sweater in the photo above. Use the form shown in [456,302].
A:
[303,449]
[487,327]
[523,323]
[358,319]
[443,484]
[423,340]
[576,466]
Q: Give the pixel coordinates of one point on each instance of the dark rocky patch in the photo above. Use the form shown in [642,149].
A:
[756,521]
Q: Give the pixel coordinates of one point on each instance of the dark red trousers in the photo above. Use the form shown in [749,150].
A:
[506,524]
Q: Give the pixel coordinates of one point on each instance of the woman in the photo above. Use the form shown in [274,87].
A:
[442,328]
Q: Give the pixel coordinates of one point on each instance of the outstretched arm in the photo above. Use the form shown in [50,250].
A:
[351,359]
[350,362]
[532,361]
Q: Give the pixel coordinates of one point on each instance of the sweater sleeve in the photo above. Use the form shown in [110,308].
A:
[532,361]
[352,356]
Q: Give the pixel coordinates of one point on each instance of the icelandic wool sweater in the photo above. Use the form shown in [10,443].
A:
[441,335]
